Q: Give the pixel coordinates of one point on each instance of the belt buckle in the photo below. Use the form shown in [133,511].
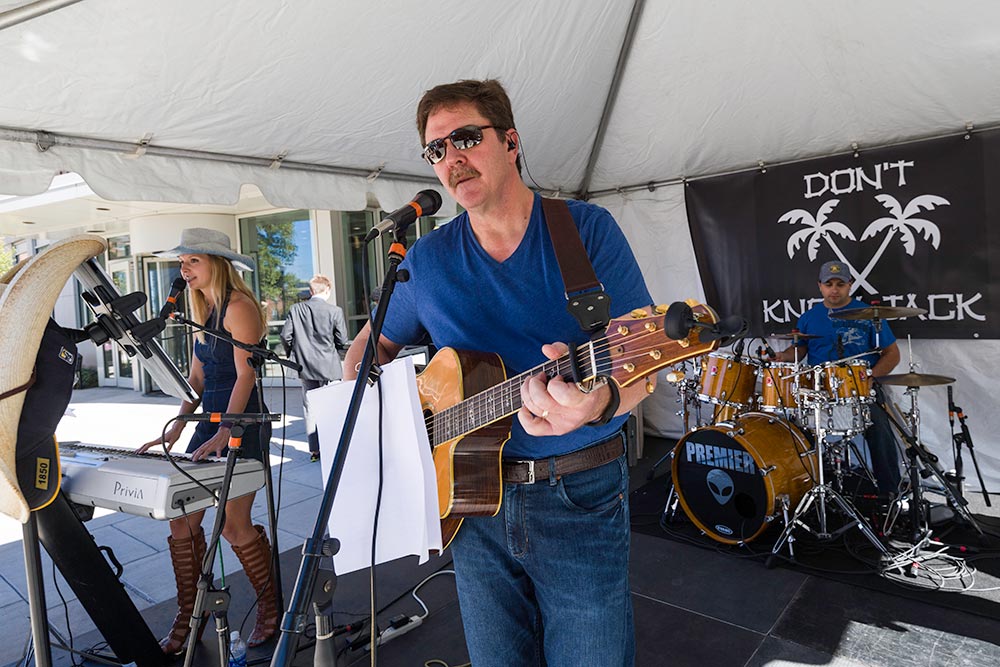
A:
[531,472]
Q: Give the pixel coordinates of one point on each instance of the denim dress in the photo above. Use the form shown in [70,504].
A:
[216,356]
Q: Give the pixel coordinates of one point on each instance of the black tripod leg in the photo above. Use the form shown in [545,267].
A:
[202,601]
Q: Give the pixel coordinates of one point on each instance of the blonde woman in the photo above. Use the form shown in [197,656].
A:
[222,376]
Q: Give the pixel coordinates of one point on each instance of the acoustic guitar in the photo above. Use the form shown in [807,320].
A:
[468,400]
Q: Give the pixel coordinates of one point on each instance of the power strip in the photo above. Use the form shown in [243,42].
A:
[392,632]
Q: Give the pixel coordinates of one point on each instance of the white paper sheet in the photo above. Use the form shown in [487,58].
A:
[408,517]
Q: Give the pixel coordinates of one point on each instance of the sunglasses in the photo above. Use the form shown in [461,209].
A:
[463,139]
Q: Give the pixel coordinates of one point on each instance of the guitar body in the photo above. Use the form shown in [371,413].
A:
[469,478]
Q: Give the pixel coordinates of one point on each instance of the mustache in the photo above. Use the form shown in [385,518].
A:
[459,173]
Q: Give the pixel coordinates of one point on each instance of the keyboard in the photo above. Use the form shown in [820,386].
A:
[149,484]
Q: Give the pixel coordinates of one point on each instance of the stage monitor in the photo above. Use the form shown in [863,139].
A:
[117,319]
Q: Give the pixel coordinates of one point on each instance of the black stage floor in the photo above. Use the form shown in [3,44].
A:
[700,603]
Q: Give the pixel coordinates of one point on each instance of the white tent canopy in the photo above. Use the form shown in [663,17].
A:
[314,103]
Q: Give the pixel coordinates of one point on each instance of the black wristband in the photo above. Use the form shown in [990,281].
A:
[228,425]
[613,404]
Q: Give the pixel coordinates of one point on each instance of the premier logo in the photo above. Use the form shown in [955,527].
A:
[736,460]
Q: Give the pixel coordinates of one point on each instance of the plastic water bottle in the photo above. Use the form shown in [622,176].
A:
[237,650]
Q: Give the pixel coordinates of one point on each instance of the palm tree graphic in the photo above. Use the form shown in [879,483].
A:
[903,222]
[818,229]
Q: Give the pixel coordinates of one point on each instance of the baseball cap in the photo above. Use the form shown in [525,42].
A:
[835,269]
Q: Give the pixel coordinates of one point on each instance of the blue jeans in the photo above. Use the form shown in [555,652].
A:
[882,445]
[545,581]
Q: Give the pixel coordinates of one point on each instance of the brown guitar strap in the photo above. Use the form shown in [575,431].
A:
[587,301]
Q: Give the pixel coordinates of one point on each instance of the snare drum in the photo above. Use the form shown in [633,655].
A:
[844,419]
[847,382]
[726,381]
[777,386]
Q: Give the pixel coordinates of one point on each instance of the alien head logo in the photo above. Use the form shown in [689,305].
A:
[720,484]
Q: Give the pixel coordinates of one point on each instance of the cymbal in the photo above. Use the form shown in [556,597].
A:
[793,335]
[915,379]
[878,313]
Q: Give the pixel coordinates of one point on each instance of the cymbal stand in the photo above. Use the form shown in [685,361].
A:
[821,492]
[686,394]
[916,451]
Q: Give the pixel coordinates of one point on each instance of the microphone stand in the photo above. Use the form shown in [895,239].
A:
[963,436]
[219,602]
[310,584]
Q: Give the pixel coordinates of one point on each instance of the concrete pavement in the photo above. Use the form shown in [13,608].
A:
[124,418]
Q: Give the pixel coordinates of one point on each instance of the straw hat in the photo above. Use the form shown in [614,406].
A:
[26,304]
[201,241]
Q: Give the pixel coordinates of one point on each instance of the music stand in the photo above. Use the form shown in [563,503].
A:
[309,584]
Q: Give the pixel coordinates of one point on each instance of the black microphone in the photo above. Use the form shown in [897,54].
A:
[170,305]
[769,351]
[727,329]
[235,417]
[738,350]
[427,202]
[840,347]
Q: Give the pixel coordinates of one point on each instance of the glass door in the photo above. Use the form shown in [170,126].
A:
[284,246]
[115,366]
[158,275]
[354,226]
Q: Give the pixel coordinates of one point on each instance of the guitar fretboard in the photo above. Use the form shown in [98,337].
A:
[503,399]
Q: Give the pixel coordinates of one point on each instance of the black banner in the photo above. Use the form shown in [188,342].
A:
[917,223]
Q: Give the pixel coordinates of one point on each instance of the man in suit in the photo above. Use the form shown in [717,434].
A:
[314,330]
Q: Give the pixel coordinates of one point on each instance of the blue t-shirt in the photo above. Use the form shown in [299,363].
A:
[856,336]
[466,300]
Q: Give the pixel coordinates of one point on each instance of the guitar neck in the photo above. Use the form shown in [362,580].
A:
[633,347]
[504,399]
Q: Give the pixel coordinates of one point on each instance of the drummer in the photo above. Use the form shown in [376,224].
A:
[845,338]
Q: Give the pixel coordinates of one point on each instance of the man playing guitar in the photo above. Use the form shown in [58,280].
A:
[545,581]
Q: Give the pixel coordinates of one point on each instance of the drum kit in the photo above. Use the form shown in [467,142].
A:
[775,439]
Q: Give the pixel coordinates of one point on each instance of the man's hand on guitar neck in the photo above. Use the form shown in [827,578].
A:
[556,407]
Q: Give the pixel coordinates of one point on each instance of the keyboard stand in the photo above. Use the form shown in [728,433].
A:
[82,564]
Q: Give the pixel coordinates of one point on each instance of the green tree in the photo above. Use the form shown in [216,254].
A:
[6,260]
[276,250]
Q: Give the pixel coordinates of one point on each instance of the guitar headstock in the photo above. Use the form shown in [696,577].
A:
[638,344]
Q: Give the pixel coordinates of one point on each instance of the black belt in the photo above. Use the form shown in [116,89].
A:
[528,472]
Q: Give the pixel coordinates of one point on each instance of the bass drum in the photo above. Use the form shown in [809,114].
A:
[731,478]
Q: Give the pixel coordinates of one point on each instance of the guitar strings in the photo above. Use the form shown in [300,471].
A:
[510,385]
[450,419]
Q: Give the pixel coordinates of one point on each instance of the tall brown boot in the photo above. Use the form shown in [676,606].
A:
[256,559]
[186,554]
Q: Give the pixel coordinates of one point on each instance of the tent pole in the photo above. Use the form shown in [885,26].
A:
[32,11]
[46,140]
[609,101]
